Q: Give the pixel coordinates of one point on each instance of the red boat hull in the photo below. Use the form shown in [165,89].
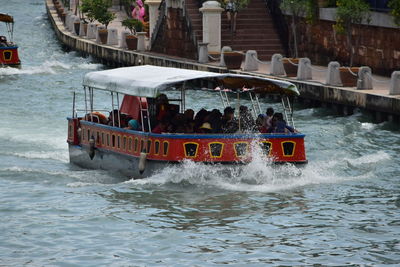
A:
[9,56]
[174,148]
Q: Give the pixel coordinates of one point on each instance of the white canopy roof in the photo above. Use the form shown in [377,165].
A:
[148,81]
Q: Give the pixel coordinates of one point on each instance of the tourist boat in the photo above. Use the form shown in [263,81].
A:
[97,145]
[8,49]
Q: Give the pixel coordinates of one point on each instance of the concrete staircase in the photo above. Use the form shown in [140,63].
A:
[254,29]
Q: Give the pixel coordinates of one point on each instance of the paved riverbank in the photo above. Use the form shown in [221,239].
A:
[377,100]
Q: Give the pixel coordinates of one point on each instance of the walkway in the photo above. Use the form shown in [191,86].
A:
[377,99]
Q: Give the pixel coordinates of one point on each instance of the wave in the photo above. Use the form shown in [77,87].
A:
[48,67]
[54,155]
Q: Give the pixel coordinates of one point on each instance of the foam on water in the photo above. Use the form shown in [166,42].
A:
[258,175]
[48,67]
[54,155]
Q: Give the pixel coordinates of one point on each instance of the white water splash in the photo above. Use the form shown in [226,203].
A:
[48,67]
[369,159]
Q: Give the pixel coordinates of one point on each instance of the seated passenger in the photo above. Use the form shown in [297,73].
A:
[268,118]
[3,41]
[214,118]
[179,123]
[96,117]
[162,126]
[133,125]
[205,128]
[229,124]
[279,125]
[259,123]
[162,108]
[199,118]
[246,119]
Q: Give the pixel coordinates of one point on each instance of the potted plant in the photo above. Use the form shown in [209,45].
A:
[99,10]
[233,59]
[348,14]
[134,26]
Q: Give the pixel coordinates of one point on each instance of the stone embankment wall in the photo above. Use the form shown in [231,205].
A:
[379,47]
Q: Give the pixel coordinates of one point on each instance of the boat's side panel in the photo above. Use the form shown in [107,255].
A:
[200,148]
[9,56]
[112,161]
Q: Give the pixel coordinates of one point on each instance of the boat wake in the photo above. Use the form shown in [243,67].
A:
[258,176]
[48,67]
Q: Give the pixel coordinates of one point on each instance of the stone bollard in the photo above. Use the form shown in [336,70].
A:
[211,20]
[91,32]
[112,37]
[141,46]
[122,39]
[277,68]
[222,61]
[250,61]
[82,29]
[203,52]
[395,83]
[99,27]
[304,71]
[333,75]
[364,81]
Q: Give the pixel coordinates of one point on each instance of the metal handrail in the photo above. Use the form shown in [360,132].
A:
[159,23]
[279,21]
[189,26]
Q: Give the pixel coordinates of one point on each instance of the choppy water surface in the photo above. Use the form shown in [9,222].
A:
[341,209]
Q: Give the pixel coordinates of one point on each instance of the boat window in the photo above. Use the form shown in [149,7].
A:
[7,55]
[165,148]
[142,147]
[148,146]
[191,149]
[98,138]
[102,139]
[288,148]
[70,131]
[113,140]
[266,147]
[130,144]
[88,134]
[124,143]
[216,149]
[156,147]
[108,139]
[136,144]
[241,149]
[119,141]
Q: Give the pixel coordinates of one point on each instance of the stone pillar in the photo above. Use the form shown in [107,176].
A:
[212,25]
[153,14]
[364,81]
[140,42]
[277,68]
[333,75]
[250,62]
[395,83]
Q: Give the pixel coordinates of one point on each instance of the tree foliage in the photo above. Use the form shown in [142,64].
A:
[98,10]
[395,12]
